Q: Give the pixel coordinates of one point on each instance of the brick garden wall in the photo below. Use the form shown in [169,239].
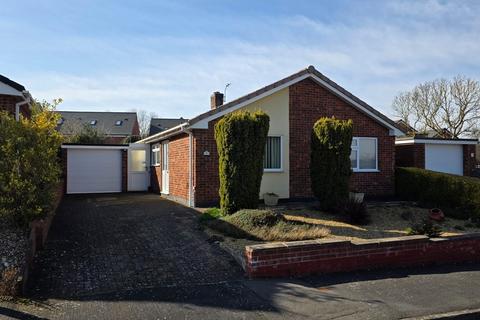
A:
[328,256]
[412,155]
[309,102]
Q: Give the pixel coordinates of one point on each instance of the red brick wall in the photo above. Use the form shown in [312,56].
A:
[8,103]
[309,102]
[328,256]
[205,177]
[178,169]
[469,162]
[412,155]
[156,178]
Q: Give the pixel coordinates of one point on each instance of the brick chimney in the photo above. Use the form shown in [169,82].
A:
[216,100]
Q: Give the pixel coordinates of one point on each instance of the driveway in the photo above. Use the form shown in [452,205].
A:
[116,243]
[136,256]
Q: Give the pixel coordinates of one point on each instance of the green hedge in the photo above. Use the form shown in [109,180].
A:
[330,161]
[241,138]
[29,167]
[457,196]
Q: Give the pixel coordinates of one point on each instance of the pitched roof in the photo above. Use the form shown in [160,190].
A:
[310,72]
[161,124]
[105,121]
[11,83]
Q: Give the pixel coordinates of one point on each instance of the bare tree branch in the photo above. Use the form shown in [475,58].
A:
[448,107]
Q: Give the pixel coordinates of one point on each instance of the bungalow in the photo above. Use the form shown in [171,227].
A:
[14,98]
[184,159]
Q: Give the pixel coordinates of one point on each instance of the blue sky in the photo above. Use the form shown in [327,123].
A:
[167,57]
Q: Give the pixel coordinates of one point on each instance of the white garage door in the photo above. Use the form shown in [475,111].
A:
[444,158]
[94,171]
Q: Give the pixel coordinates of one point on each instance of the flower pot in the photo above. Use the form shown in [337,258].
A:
[437,215]
[356,196]
[270,199]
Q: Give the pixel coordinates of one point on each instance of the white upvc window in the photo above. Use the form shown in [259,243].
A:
[156,154]
[364,154]
[273,158]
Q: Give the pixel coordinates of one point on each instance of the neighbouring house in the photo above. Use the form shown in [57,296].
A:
[455,156]
[161,124]
[14,98]
[184,159]
[117,126]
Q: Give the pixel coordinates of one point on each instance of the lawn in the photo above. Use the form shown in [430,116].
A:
[386,220]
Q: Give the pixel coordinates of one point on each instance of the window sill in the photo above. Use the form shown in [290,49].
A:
[273,170]
[155,165]
[365,170]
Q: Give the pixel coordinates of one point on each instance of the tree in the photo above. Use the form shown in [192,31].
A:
[29,164]
[144,120]
[330,161]
[451,108]
[88,135]
[241,138]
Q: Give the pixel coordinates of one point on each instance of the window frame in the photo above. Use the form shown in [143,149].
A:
[281,154]
[357,149]
[156,149]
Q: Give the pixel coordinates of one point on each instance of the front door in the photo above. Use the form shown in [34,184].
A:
[138,175]
[165,174]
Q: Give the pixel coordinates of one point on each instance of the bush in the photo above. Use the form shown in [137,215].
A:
[356,212]
[240,138]
[88,135]
[211,214]
[458,196]
[330,161]
[426,227]
[29,166]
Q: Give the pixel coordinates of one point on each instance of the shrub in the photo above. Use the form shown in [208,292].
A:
[356,212]
[240,138]
[29,166]
[426,227]
[88,135]
[458,196]
[211,214]
[330,161]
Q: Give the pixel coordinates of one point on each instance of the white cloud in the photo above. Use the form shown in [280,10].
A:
[374,57]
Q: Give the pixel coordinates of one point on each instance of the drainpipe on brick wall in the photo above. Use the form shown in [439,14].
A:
[26,97]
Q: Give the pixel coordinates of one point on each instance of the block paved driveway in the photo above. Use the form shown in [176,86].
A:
[123,242]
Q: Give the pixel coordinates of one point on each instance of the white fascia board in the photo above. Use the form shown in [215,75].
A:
[431,141]
[203,124]
[9,91]
[162,135]
[71,146]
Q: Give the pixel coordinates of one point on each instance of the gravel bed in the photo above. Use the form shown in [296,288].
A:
[13,245]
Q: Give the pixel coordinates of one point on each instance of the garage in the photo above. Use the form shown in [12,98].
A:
[93,169]
[453,156]
[444,158]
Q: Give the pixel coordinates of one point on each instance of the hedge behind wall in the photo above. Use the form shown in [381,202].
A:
[241,138]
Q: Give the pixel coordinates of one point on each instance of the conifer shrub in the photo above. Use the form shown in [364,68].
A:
[241,138]
[330,161]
